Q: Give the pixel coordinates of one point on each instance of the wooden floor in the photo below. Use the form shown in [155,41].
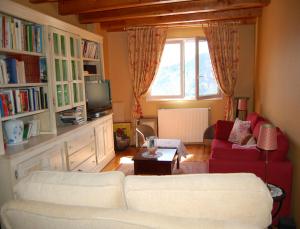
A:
[195,153]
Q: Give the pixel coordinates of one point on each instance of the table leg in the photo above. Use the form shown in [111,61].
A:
[177,161]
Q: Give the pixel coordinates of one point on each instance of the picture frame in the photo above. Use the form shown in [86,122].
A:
[125,126]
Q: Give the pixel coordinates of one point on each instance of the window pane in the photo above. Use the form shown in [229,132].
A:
[207,81]
[190,63]
[168,80]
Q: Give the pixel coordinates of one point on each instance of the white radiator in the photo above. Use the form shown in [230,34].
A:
[187,124]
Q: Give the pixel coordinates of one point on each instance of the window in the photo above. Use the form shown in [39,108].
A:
[176,76]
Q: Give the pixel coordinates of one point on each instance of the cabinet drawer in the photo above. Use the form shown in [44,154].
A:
[76,143]
[90,165]
[81,156]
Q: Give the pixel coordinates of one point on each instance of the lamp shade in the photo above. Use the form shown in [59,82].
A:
[242,104]
[267,138]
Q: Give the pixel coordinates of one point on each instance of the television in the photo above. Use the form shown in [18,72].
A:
[98,97]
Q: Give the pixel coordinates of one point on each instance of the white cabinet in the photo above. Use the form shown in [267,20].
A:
[104,142]
[81,152]
[49,159]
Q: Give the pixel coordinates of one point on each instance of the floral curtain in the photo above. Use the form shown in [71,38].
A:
[145,49]
[223,43]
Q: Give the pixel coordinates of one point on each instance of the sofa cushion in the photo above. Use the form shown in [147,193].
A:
[252,117]
[73,188]
[223,195]
[223,150]
[223,129]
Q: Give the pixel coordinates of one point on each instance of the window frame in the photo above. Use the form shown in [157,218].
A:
[181,97]
[197,76]
[182,88]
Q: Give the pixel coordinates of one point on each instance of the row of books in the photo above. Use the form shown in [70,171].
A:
[26,70]
[20,35]
[89,49]
[16,101]
[73,116]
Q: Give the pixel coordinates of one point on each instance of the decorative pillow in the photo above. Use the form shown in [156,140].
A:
[239,131]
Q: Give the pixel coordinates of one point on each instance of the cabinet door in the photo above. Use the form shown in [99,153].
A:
[78,97]
[100,142]
[50,159]
[54,159]
[108,136]
[61,69]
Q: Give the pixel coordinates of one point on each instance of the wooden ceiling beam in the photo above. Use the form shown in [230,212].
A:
[183,19]
[42,1]
[79,6]
[167,9]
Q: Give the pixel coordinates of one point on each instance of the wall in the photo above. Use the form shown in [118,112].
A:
[52,10]
[121,82]
[277,87]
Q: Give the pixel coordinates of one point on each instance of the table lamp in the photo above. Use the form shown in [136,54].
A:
[242,106]
[267,141]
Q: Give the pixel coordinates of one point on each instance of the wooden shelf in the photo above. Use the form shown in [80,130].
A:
[92,74]
[16,85]
[14,51]
[23,115]
[90,59]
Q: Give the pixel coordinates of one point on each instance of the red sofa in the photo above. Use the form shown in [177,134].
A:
[225,159]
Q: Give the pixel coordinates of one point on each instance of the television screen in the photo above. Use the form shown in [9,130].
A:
[98,95]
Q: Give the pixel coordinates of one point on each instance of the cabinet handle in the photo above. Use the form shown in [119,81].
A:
[16,174]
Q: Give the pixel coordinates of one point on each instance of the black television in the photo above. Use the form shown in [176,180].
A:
[98,97]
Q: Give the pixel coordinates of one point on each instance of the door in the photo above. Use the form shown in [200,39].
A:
[108,136]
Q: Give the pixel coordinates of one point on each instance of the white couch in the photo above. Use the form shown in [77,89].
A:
[49,200]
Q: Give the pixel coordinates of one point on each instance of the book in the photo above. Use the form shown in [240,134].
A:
[27,131]
[12,70]
[18,107]
[7,96]
[3,69]
[43,69]
[24,100]
[1,31]
[18,33]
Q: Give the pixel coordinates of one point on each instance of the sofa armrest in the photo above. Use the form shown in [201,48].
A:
[33,214]
[223,129]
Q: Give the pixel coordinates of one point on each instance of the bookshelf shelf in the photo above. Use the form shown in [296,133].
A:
[23,115]
[14,51]
[90,59]
[24,85]
[99,75]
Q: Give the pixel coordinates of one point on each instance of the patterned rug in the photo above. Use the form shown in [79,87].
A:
[186,167]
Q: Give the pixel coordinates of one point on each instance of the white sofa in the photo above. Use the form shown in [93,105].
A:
[73,200]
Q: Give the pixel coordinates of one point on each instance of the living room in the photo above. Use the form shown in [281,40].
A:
[269,48]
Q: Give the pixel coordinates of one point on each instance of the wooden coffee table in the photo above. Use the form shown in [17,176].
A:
[162,165]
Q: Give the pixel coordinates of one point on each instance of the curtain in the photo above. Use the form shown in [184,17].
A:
[145,49]
[223,44]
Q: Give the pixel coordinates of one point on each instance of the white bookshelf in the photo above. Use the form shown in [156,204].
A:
[24,85]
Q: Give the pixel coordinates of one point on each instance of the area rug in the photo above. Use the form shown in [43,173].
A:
[186,167]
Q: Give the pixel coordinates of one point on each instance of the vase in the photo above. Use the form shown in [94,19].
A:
[14,131]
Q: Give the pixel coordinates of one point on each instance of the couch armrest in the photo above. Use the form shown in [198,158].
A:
[33,214]
[223,129]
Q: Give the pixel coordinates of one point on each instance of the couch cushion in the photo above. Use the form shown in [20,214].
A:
[223,129]
[73,188]
[233,197]
[223,150]
[252,117]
